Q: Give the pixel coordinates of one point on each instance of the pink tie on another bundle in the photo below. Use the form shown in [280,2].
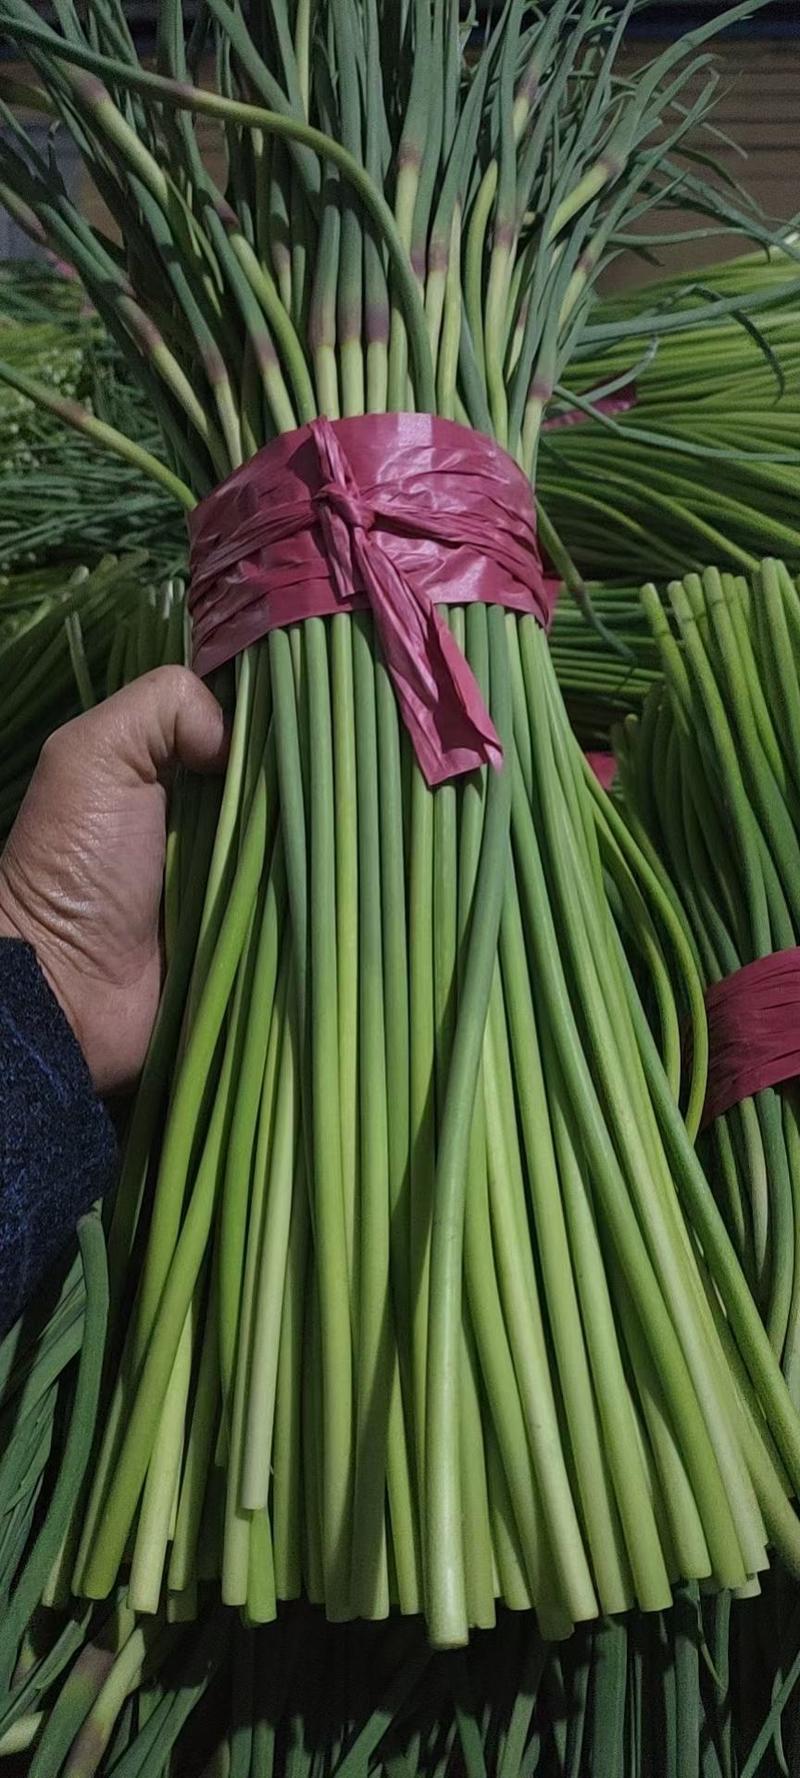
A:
[753,1031]
[398,513]
[604,766]
[607,405]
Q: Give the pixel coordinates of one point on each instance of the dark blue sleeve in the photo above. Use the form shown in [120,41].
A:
[57,1144]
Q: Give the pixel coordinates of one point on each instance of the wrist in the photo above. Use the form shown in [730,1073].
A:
[16,924]
[11,924]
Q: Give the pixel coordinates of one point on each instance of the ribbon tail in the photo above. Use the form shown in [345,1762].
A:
[477,742]
[439,697]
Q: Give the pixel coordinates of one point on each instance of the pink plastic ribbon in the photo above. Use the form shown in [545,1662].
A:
[753,1031]
[395,512]
[604,766]
[621,403]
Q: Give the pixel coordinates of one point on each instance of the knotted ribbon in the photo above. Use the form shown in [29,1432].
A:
[753,1031]
[395,512]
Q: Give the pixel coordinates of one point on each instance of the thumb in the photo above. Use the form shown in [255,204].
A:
[167,717]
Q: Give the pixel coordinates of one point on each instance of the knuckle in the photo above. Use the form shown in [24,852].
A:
[179,683]
[54,746]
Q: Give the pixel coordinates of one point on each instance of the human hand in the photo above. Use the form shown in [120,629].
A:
[82,871]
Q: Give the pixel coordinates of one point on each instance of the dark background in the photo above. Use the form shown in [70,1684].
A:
[781,18]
